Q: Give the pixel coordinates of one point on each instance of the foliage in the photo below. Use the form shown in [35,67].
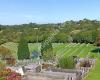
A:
[2,65]
[92,56]
[8,74]
[97,42]
[47,51]
[23,50]
[83,31]
[66,62]
[1,78]
[85,63]
[5,52]
[61,37]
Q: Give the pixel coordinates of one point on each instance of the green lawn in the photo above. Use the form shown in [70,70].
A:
[68,49]
[95,73]
[81,50]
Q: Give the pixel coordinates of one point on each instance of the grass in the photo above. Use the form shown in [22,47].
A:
[13,47]
[95,73]
[68,49]
[81,50]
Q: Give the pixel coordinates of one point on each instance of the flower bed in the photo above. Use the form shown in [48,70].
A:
[8,74]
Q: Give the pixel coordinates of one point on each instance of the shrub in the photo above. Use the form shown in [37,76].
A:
[85,63]
[2,79]
[66,63]
[2,65]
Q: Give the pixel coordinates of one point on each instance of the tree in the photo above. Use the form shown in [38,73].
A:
[61,37]
[23,50]
[47,51]
[70,39]
[97,42]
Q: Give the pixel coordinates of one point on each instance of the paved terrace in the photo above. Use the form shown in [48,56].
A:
[53,75]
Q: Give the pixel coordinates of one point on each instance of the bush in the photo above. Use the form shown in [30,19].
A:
[2,79]
[92,56]
[85,63]
[66,63]
[2,65]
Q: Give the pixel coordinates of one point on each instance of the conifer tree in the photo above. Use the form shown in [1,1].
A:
[23,50]
[47,51]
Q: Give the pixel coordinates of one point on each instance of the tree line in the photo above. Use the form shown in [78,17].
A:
[82,31]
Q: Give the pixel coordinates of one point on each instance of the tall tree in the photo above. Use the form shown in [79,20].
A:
[47,51]
[23,50]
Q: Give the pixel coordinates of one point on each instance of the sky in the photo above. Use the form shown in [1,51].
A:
[47,11]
